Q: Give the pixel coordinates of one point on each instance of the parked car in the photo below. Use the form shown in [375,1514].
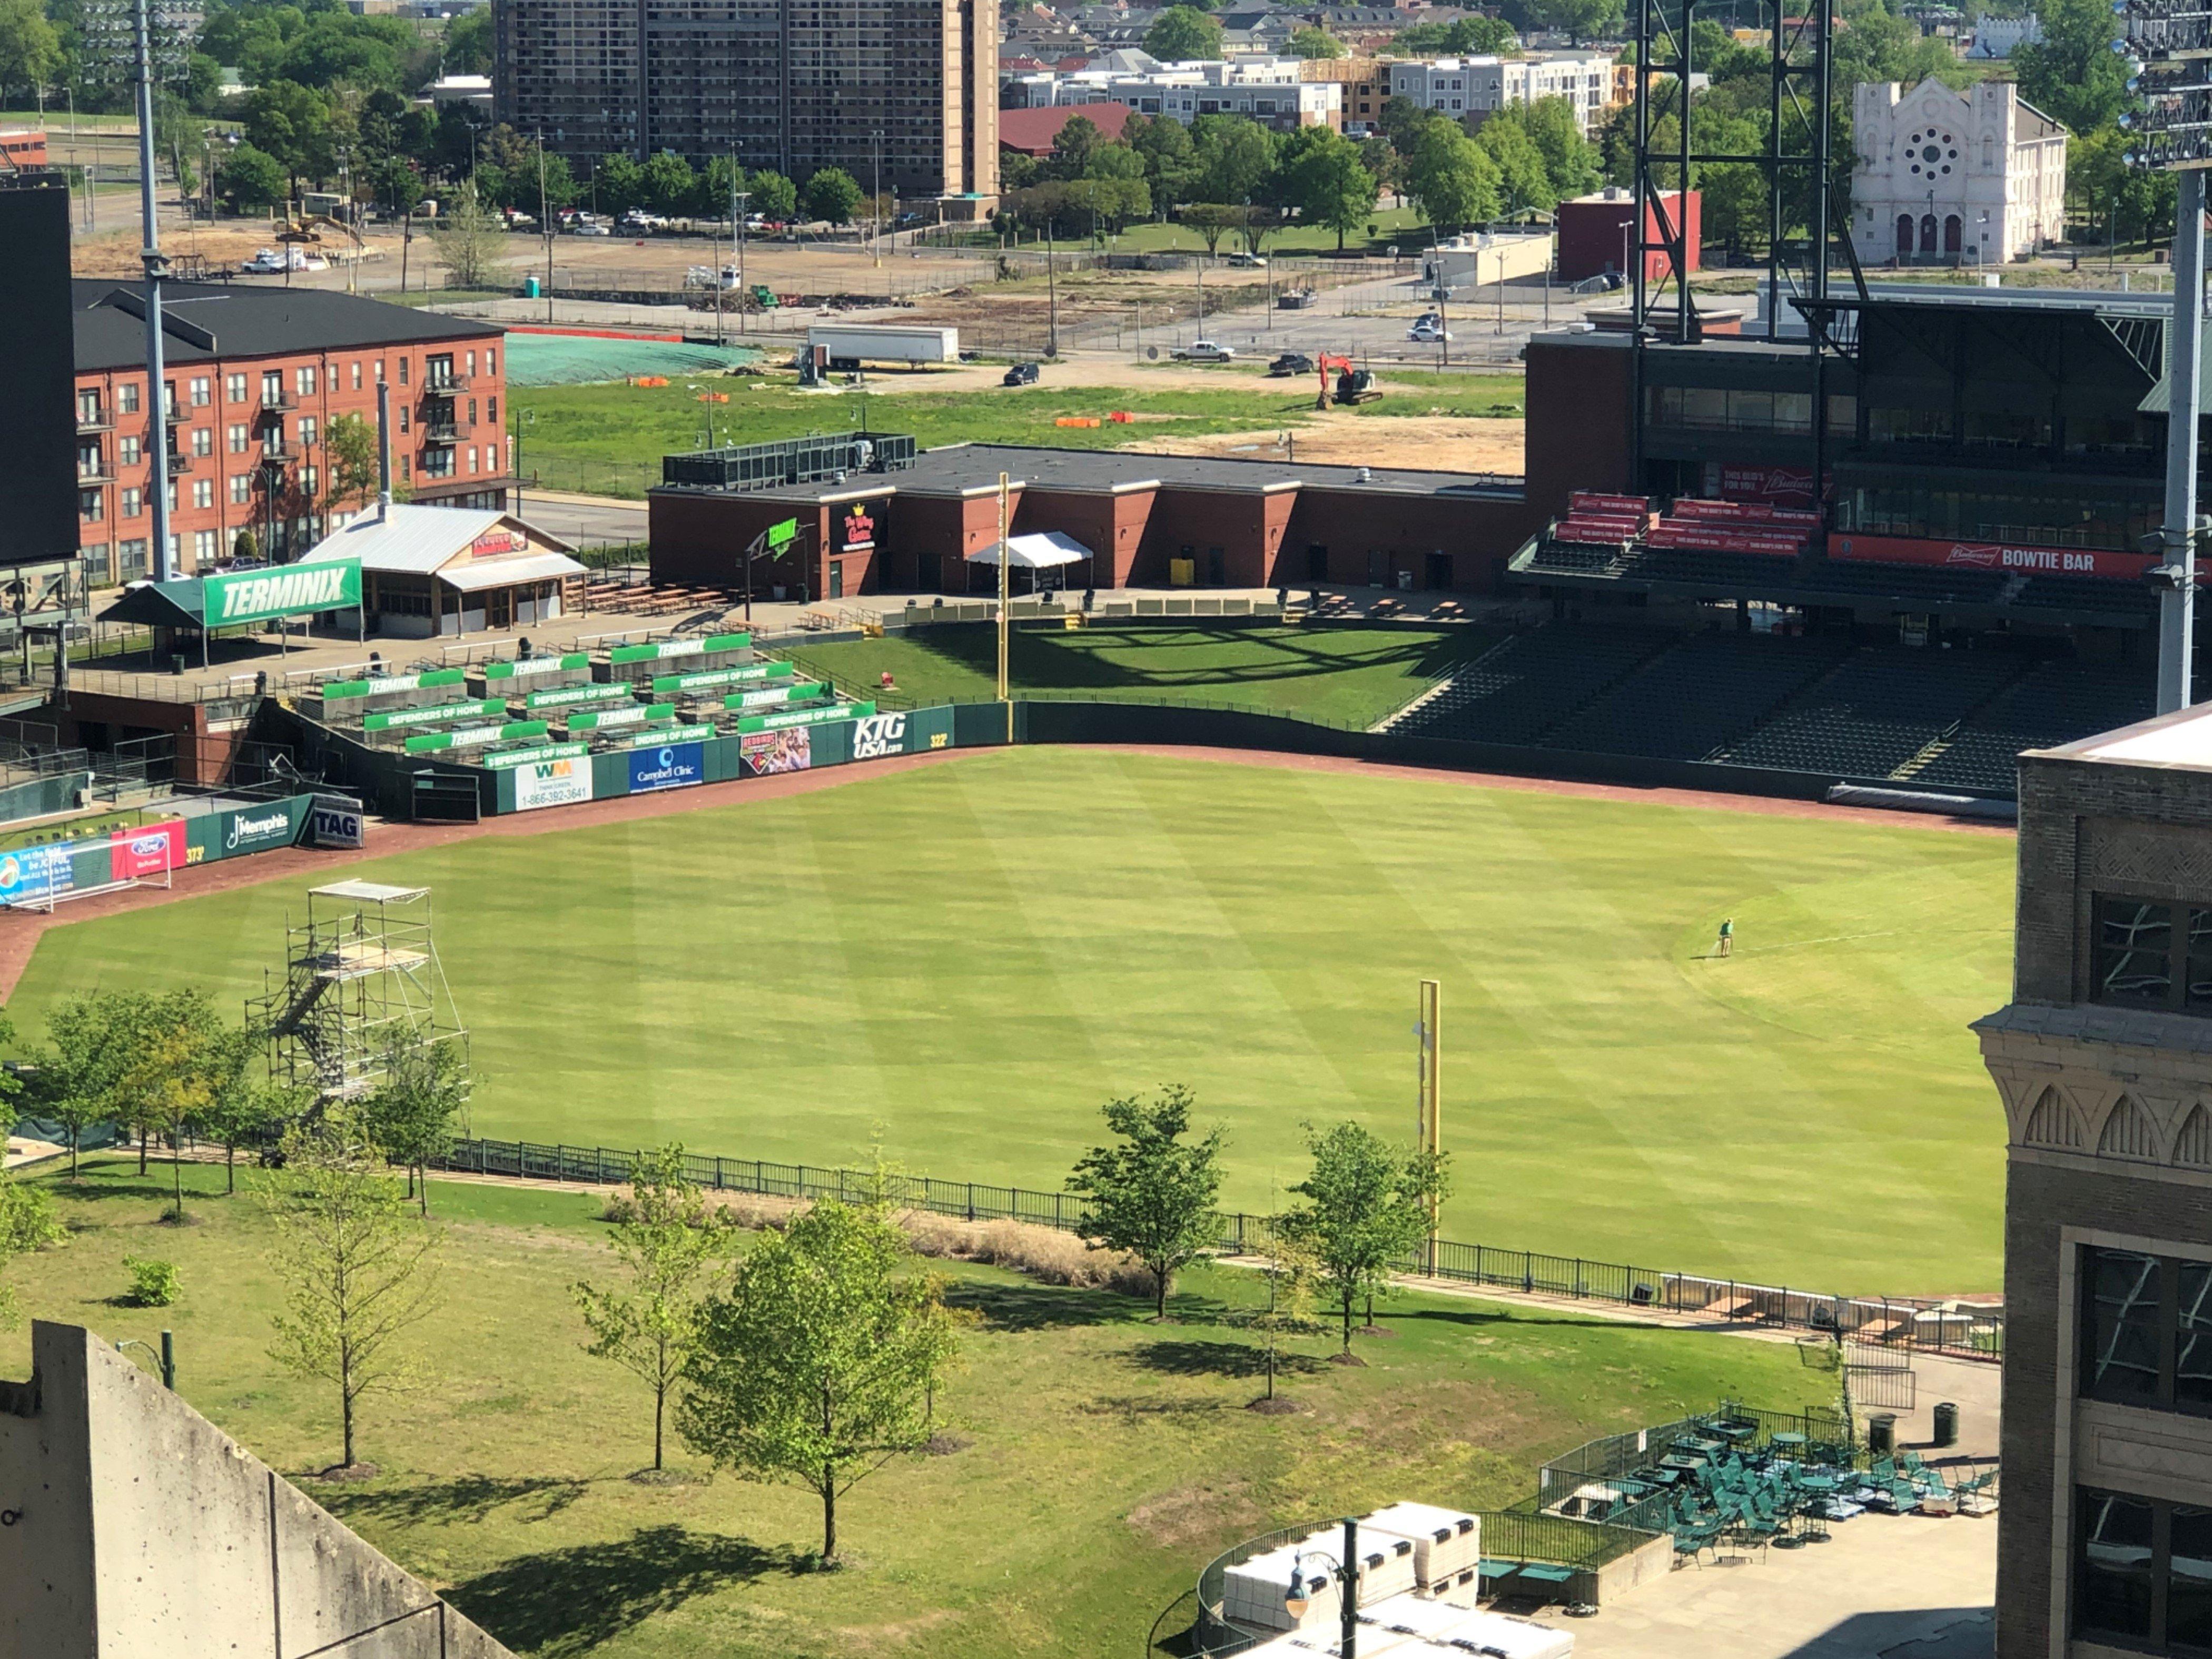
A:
[1020,374]
[1246,261]
[1204,352]
[1428,333]
[265,262]
[1290,362]
[585,229]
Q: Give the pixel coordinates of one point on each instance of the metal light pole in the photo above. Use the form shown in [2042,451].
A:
[1005,597]
[1346,1575]
[150,255]
[2177,604]
[740,197]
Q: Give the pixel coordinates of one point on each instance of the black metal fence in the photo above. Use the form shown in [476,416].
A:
[1915,1324]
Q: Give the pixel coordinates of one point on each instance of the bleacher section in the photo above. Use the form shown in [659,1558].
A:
[1692,701]
[1878,711]
[1528,685]
[2054,703]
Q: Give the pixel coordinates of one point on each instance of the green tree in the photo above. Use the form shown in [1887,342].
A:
[1183,34]
[27,1222]
[2072,74]
[1367,1209]
[470,240]
[1578,20]
[832,195]
[666,1240]
[1327,180]
[349,463]
[1291,1272]
[1235,157]
[617,183]
[248,1106]
[1449,176]
[1524,181]
[358,1271]
[80,1076]
[30,48]
[291,123]
[412,1113]
[1570,160]
[1153,1194]
[1212,220]
[467,43]
[251,178]
[1310,42]
[818,1364]
[1073,147]
[175,1051]
[774,196]
[670,184]
[1171,163]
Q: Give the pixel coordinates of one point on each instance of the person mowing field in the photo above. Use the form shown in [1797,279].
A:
[1725,945]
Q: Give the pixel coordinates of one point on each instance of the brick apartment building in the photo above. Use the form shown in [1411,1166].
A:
[906,89]
[2104,1062]
[255,377]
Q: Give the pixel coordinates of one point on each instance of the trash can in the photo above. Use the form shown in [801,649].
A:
[530,290]
[1881,1434]
[1947,1422]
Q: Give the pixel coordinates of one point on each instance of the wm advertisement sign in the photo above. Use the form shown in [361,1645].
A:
[561,781]
[251,596]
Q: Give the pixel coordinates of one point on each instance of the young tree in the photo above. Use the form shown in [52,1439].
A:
[832,194]
[411,1114]
[617,183]
[27,1222]
[349,456]
[817,1366]
[470,240]
[650,1325]
[774,196]
[1524,181]
[670,184]
[1152,1195]
[1183,34]
[79,1078]
[177,1050]
[1366,1208]
[1312,42]
[1163,142]
[246,1106]
[1212,220]
[1291,1272]
[358,1271]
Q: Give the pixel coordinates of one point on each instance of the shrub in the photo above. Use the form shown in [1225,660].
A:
[27,1220]
[153,1283]
[1045,1254]
[748,1210]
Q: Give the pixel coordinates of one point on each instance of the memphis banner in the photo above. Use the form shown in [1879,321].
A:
[251,596]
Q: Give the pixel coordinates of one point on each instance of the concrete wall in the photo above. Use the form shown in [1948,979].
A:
[141,1528]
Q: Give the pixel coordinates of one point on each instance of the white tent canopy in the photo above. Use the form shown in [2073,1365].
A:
[1045,551]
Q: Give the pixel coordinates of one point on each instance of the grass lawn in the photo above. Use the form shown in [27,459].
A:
[609,439]
[1404,227]
[1109,1458]
[972,957]
[1344,676]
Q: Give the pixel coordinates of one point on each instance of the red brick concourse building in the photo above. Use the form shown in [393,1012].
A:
[254,378]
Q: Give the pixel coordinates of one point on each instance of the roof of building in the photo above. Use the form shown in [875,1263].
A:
[414,540]
[2180,741]
[206,320]
[1033,130]
[971,468]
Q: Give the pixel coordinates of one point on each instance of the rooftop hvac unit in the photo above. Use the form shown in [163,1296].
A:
[1447,1543]
[1386,1562]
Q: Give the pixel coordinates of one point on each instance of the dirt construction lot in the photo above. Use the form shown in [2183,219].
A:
[1435,442]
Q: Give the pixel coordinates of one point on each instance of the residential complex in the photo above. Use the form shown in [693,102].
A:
[1947,178]
[2105,1540]
[256,378]
[1270,90]
[901,90]
[1462,87]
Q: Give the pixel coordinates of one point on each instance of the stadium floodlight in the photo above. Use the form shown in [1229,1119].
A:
[145,43]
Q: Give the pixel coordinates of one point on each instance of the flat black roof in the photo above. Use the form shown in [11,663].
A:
[966,469]
[206,320]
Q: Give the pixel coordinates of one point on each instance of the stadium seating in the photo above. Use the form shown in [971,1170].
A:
[1689,701]
[2057,702]
[1517,692]
[1878,711]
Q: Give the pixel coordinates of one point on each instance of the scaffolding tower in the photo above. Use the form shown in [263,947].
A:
[360,979]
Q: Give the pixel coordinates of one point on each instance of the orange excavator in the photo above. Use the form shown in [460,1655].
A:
[1354,385]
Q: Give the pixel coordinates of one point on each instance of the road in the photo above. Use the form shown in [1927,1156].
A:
[585,520]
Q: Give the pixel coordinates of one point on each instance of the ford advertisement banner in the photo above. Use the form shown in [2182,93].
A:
[149,849]
[671,766]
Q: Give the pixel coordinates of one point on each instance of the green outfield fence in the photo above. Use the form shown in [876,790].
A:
[1914,1324]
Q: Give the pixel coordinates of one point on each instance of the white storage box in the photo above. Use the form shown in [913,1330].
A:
[1386,1561]
[1252,1594]
[1447,1543]
[1502,1636]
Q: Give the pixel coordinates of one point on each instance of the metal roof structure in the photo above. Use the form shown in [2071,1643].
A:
[203,321]
[410,540]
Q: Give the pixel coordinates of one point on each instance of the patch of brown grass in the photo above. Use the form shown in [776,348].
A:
[1044,1254]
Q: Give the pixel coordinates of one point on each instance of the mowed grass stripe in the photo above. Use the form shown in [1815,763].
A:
[970,958]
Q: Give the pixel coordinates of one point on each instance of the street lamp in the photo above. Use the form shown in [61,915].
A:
[1297,1597]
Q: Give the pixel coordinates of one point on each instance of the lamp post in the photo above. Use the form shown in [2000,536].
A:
[1346,1573]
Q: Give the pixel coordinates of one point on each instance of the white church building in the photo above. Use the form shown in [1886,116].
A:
[1947,178]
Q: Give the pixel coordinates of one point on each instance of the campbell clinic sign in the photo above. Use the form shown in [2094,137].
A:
[251,596]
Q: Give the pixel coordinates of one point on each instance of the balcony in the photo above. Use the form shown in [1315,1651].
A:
[276,452]
[278,403]
[98,419]
[100,473]
[446,432]
[444,384]
[179,462]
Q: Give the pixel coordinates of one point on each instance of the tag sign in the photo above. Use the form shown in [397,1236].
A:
[339,822]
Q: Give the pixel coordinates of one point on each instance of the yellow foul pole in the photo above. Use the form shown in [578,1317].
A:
[1004,596]
[1432,1100]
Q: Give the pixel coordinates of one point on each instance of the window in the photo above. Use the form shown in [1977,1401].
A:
[204,492]
[203,549]
[2153,955]
[307,480]
[88,459]
[272,439]
[234,388]
[2142,1571]
[403,417]
[303,379]
[128,450]
[203,390]
[472,457]
[272,388]
[169,400]
[402,371]
[130,561]
[356,374]
[91,505]
[306,429]
[239,442]
[134,501]
[88,408]
[2145,1331]
[472,362]
[126,396]
[203,440]
[241,489]
[406,469]
[491,360]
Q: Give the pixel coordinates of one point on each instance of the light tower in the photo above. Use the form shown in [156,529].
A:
[2167,44]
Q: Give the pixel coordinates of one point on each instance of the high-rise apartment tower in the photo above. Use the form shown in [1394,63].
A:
[905,90]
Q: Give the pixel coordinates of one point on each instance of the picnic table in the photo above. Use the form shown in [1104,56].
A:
[1788,1445]
[1710,1447]
[1686,1462]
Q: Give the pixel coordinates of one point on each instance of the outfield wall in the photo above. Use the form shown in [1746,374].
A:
[192,833]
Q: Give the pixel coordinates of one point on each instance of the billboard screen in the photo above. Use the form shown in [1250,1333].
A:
[763,753]
[38,422]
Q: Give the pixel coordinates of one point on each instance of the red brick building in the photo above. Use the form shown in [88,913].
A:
[1594,233]
[255,377]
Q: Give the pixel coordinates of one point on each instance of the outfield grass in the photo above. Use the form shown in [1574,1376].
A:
[1109,1458]
[609,439]
[1346,676]
[969,958]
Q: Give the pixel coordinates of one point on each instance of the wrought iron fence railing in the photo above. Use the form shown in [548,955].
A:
[1923,1325]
